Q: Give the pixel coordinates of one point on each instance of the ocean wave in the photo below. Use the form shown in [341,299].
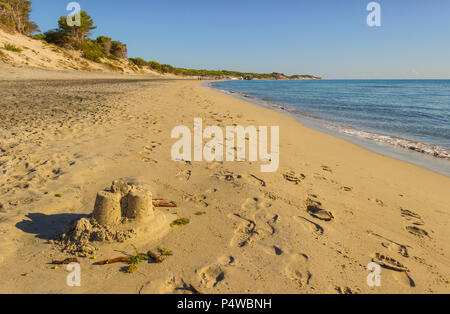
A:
[428,149]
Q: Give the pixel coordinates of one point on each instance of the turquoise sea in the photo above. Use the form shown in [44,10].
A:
[406,119]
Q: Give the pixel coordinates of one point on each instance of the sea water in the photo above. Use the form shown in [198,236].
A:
[405,119]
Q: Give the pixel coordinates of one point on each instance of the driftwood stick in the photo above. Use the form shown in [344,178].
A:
[164,203]
[67,261]
[127,259]
[156,257]
[123,259]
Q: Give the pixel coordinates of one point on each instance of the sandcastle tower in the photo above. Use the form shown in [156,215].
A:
[107,209]
[123,200]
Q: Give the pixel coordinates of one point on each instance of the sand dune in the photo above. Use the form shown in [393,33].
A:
[311,227]
[36,54]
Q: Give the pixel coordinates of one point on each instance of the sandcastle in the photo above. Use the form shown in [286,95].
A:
[122,212]
[123,201]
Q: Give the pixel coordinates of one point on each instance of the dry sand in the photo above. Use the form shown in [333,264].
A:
[260,233]
[41,55]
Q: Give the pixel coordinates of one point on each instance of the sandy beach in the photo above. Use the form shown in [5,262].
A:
[65,137]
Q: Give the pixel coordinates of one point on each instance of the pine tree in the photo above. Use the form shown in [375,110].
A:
[16,14]
[78,34]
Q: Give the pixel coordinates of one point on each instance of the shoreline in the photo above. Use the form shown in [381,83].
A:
[440,165]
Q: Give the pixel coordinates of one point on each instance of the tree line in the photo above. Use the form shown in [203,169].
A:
[166,68]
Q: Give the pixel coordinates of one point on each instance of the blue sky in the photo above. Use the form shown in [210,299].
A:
[329,38]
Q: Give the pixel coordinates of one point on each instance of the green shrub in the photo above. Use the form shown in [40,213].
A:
[12,48]
[92,51]
[166,68]
[180,222]
[5,4]
[119,50]
[139,62]
[106,43]
[113,57]
[40,36]
[6,22]
[154,66]
[57,37]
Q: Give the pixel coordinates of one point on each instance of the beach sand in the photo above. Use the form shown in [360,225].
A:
[64,140]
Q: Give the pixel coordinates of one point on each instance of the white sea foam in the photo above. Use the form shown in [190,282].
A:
[424,148]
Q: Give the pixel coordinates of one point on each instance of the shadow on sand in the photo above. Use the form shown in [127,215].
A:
[47,227]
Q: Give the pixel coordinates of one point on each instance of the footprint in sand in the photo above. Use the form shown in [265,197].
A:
[271,196]
[412,217]
[172,285]
[213,275]
[253,178]
[244,232]
[147,158]
[309,225]
[391,245]
[271,223]
[376,200]
[394,247]
[343,290]
[416,220]
[314,208]
[418,232]
[251,206]
[389,263]
[272,250]
[227,260]
[297,269]
[319,177]
[293,177]
[227,176]
[23,201]
[256,210]
[184,175]
[57,173]
[154,145]
[399,271]
[404,279]
[156,131]
[197,199]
